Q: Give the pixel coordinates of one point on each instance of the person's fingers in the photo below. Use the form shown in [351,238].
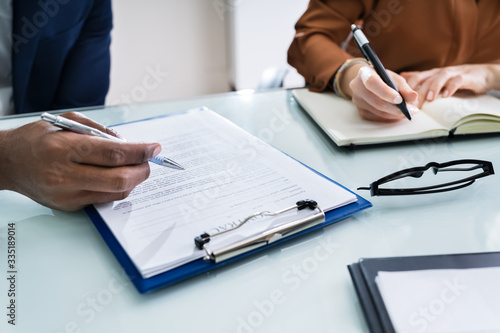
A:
[114,180]
[438,82]
[446,81]
[104,197]
[421,101]
[377,101]
[365,99]
[377,86]
[68,171]
[80,118]
[430,88]
[423,92]
[375,116]
[452,86]
[415,79]
[82,199]
[412,108]
[102,152]
[101,179]
[368,111]
[365,114]
[410,96]
[412,78]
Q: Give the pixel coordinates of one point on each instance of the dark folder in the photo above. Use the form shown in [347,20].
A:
[364,272]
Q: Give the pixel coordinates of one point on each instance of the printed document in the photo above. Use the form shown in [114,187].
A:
[229,175]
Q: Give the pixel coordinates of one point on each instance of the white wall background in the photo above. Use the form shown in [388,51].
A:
[183,38]
[259,34]
[188,44]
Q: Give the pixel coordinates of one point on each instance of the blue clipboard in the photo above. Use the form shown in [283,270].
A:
[200,266]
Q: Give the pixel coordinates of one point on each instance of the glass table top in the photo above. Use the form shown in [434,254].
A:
[69,281]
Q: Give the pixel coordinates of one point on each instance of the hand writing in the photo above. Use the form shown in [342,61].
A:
[68,171]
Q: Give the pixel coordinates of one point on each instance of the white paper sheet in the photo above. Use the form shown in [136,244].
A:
[229,175]
[444,300]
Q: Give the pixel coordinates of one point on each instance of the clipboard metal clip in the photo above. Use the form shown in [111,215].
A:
[266,237]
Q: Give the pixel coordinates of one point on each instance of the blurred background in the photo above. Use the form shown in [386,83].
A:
[169,49]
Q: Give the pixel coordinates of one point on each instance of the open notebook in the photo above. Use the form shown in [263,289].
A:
[229,175]
[456,115]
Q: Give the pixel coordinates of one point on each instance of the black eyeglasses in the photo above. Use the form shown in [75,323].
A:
[417,172]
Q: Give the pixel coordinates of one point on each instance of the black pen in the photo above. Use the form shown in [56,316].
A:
[370,55]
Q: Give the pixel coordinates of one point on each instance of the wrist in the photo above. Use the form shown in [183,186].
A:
[493,78]
[350,74]
[346,73]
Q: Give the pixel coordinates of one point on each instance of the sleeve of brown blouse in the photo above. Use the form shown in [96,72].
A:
[315,50]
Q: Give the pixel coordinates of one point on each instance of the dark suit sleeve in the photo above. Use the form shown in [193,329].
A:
[84,79]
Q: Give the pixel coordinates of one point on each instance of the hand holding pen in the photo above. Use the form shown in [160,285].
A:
[76,127]
[379,94]
[68,171]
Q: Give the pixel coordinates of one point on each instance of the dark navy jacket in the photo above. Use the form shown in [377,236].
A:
[60,53]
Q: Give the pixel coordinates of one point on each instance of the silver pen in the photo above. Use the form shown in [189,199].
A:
[76,127]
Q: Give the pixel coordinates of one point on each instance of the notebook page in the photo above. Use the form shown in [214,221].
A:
[442,300]
[339,118]
[229,175]
[453,111]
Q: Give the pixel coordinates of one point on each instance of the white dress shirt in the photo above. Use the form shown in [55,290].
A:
[6,98]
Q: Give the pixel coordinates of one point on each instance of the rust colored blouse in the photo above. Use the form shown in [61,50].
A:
[407,35]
